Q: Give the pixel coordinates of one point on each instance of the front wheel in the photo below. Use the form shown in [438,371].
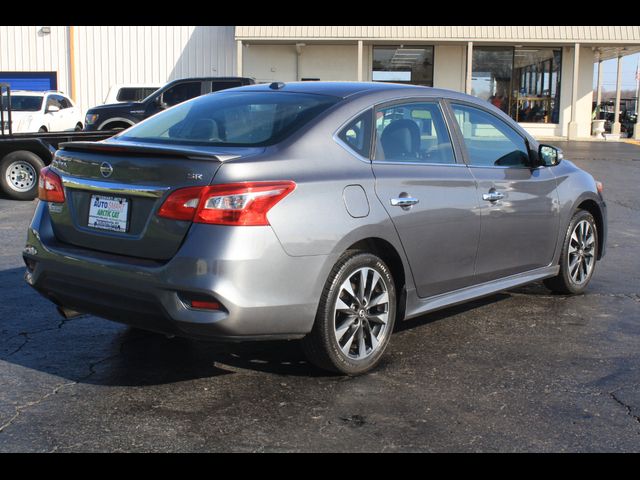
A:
[578,257]
[355,317]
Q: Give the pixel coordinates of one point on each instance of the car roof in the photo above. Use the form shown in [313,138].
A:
[36,93]
[335,89]
[348,89]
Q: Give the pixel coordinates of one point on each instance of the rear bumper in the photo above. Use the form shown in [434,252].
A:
[265,293]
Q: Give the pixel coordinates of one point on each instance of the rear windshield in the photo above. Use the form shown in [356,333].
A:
[23,103]
[231,119]
[134,94]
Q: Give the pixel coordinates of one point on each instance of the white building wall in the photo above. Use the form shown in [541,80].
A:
[24,49]
[106,55]
[449,67]
[269,63]
[329,62]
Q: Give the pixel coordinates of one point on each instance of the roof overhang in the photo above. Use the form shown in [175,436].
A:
[610,41]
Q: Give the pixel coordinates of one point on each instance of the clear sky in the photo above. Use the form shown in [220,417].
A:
[610,70]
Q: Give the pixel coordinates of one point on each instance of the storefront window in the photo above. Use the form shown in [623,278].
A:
[403,64]
[536,86]
[523,82]
[491,75]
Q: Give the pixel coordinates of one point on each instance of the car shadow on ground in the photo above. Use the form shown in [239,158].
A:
[92,350]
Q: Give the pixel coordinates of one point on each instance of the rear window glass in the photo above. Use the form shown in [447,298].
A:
[231,119]
[134,94]
[23,103]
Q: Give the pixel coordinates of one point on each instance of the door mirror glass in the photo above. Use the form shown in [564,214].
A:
[549,156]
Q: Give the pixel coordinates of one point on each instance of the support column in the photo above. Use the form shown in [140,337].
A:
[615,128]
[72,63]
[636,128]
[239,58]
[467,83]
[599,87]
[360,51]
[573,124]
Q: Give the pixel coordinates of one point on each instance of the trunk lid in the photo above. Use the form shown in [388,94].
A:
[113,191]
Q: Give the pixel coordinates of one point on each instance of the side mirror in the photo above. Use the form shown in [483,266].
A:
[52,109]
[549,156]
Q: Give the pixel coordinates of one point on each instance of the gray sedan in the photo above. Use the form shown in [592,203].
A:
[319,211]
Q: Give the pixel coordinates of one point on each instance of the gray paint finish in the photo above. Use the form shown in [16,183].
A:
[452,246]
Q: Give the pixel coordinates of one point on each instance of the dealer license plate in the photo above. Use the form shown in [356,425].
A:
[108,213]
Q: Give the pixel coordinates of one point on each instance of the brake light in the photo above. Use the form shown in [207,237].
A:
[181,204]
[50,186]
[244,203]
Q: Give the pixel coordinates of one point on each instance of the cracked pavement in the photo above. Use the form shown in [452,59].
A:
[523,370]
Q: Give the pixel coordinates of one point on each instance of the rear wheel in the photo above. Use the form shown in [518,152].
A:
[19,174]
[578,257]
[355,317]
[78,127]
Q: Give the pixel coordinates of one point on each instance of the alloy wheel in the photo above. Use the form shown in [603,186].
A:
[361,313]
[581,254]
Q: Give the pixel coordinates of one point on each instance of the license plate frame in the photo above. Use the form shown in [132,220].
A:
[109,213]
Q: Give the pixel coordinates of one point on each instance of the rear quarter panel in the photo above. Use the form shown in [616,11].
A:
[313,219]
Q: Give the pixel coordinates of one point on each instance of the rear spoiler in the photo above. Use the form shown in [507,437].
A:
[144,149]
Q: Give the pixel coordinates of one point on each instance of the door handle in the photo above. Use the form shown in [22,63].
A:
[493,196]
[403,201]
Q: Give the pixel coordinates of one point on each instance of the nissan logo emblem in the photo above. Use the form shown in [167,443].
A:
[106,169]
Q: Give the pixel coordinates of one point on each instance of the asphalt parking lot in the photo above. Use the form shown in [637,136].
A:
[523,370]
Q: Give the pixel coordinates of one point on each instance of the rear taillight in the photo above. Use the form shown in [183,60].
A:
[181,204]
[244,203]
[50,186]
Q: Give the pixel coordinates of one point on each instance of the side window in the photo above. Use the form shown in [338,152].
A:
[64,102]
[414,132]
[357,134]
[217,86]
[52,101]
[181,93]
[490,141]
[127,94]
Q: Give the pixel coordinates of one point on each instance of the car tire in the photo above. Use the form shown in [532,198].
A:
[42,130]
[78,127]
[579,256]
[351,333]
[19,172]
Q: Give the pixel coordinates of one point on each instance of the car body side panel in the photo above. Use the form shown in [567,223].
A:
[440,233]
[518,231]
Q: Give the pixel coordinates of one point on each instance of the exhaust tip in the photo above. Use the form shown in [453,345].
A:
[68,313]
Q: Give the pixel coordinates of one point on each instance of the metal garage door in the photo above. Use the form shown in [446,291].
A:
[37,81]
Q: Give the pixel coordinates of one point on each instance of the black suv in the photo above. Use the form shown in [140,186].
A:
[118,116]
